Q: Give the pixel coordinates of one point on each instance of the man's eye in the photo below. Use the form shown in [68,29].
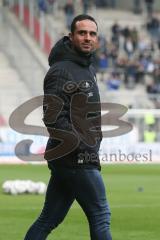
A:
[93,34]
[82,33]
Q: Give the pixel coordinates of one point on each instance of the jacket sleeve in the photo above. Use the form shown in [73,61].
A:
[57,114]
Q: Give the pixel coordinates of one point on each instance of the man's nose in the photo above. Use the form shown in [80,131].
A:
[88,37]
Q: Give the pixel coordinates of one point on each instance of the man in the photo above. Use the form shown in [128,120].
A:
[73,117]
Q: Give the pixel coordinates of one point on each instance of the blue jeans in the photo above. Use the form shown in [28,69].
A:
[66,185]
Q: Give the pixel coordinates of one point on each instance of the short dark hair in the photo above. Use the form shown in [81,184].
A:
[81,17]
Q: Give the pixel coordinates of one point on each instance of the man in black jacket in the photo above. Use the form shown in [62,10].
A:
[72,115]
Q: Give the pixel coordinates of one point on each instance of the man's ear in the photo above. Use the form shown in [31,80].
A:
[70,36]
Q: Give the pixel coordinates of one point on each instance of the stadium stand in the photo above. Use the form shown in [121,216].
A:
[118,78]
[22,66]
[129,89]
[13,91]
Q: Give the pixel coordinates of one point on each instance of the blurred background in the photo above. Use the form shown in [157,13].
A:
[127,63]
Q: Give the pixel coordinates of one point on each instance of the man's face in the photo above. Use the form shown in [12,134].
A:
[84,37]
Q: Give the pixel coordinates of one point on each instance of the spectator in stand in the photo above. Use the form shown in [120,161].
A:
[137,9]
[126,32]
[102,65]
[157,106]
[5,2]
[158,43]
[42,5]
[85,5]
[140,69]
[115,28]
[149,7]
[150,67]
[157,78]
[116,34]
[143,45]
[69,12]
[141,63]
[128,47]
[102,42]
[134,37]
[114,81]
[130,74]
[50,4]
[101,3]
[153,27]
[113,53]
[112,3]
[149,83]
[153,87]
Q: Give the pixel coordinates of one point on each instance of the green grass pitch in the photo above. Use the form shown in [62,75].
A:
[132,190]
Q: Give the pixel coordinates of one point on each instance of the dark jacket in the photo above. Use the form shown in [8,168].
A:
[72,110]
